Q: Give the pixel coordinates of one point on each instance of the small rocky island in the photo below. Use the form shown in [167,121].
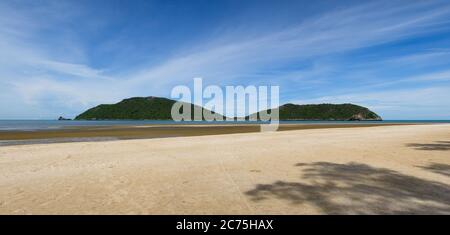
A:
[61,118]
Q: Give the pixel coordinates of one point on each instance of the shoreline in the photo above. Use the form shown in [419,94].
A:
[109,133]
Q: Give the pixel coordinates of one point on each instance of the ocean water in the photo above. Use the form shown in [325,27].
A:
[34,125]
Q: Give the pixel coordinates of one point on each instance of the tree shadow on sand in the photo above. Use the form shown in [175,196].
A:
[438,168]
[438,145]
[355,188]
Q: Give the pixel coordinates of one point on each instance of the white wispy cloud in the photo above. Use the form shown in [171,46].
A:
[326,34]
[78,70]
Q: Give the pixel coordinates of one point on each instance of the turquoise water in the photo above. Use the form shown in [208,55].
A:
[31,125]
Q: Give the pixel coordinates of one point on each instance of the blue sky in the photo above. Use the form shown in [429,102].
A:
[62,57]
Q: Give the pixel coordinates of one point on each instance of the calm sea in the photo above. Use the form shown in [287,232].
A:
[32,125]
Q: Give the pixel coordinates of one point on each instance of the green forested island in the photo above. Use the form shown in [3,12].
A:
[337,112]
[157,108]
[136,108]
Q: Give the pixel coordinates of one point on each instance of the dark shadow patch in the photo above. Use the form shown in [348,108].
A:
[359,189]
[301,164]
[438,168]
[437,145]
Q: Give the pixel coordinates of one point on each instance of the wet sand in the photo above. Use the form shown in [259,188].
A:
[361,170]
[103,133]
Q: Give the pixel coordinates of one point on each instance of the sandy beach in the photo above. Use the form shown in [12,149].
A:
[403,169]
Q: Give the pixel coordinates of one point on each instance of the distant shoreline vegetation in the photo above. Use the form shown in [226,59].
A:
[158,108]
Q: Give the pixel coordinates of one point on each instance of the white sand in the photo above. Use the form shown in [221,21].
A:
[389,169]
